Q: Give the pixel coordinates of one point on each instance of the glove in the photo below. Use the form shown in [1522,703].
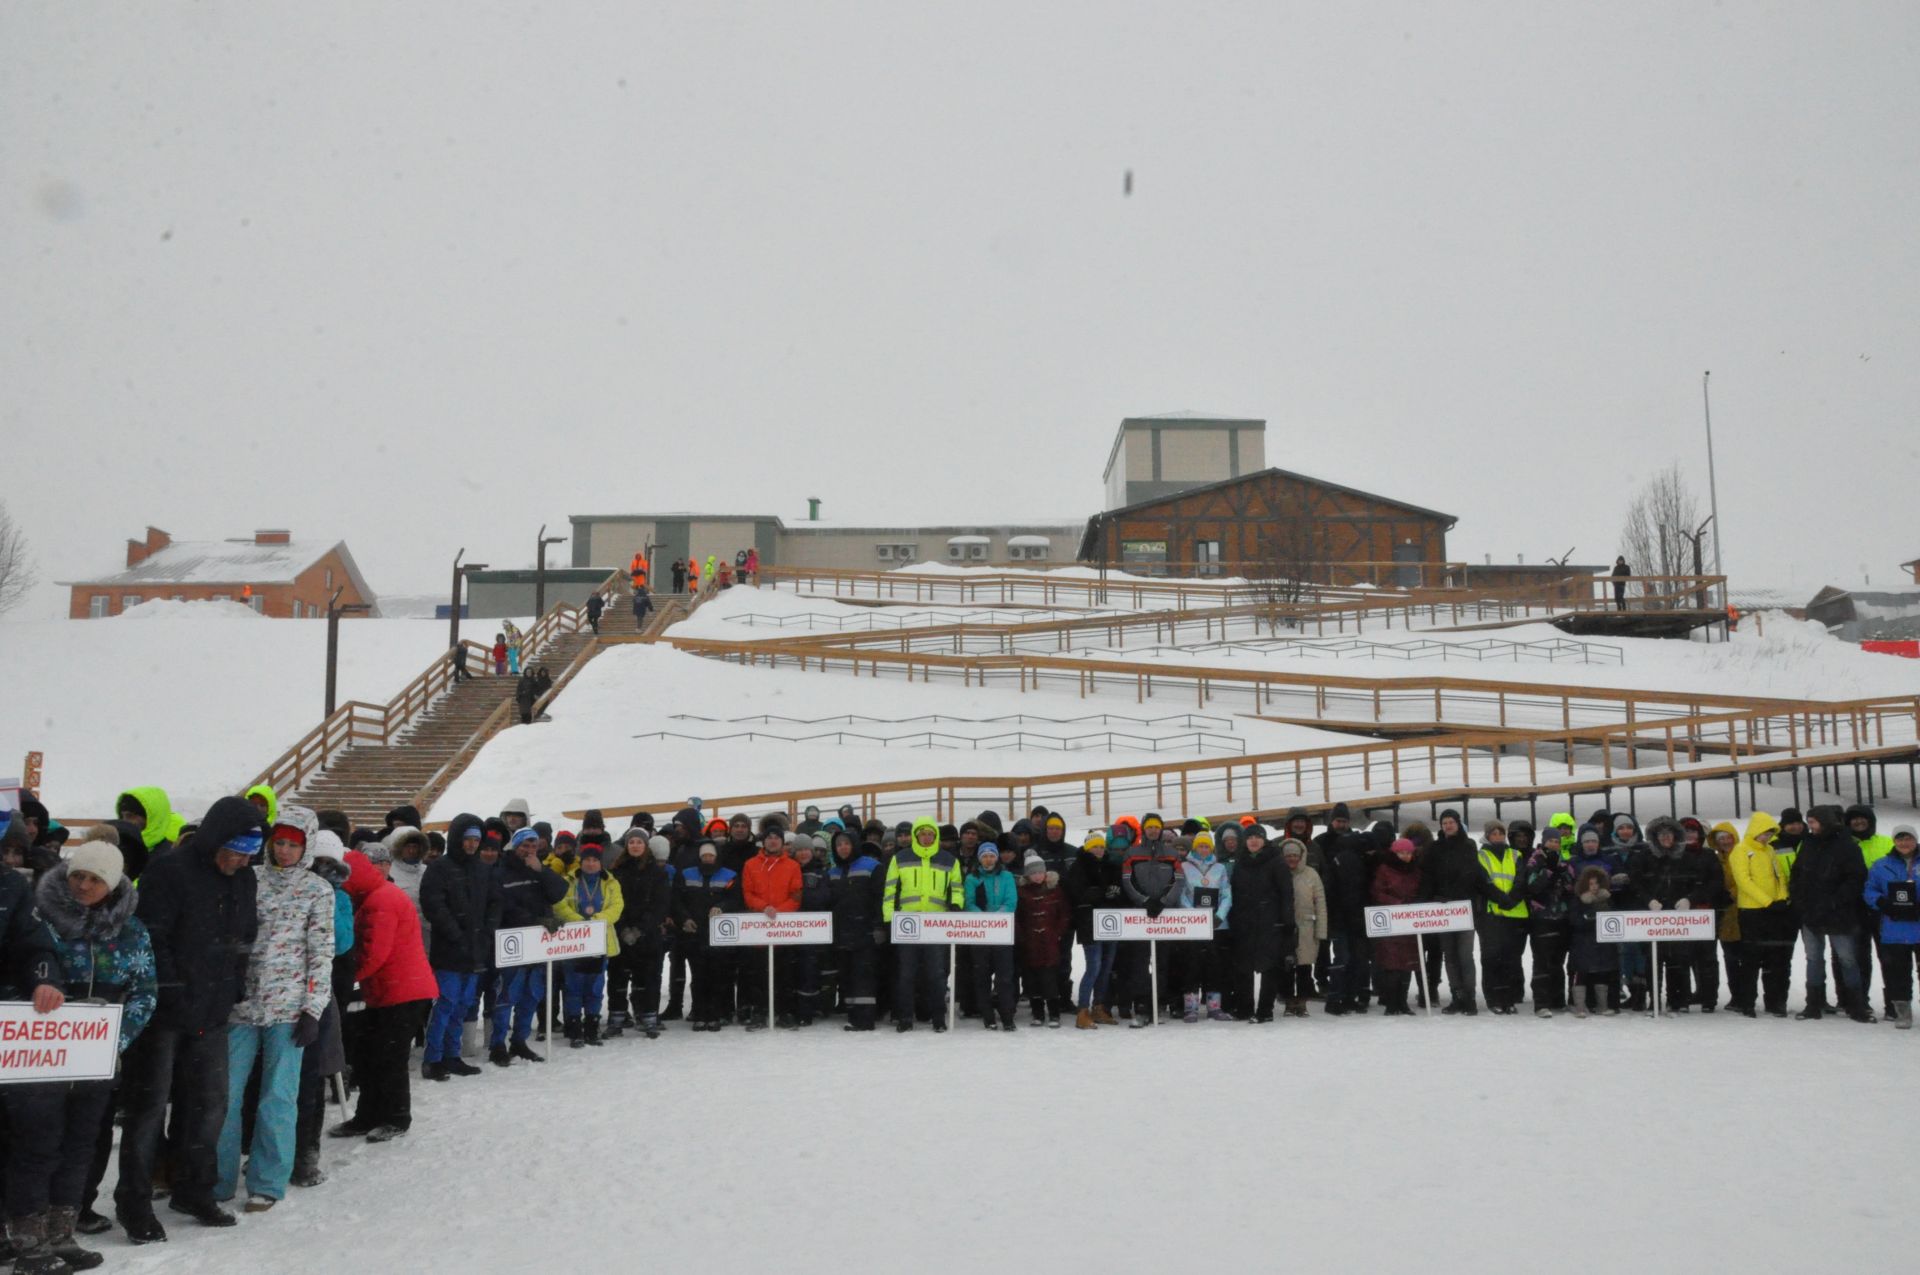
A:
[1654,905]
[549,923]
[629,935]
[879,934]
[306,1031]
[1684,905]
[1153,906]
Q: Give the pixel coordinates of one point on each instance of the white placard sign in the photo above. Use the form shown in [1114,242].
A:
[756,929]
[966,928]
[1655,927]
[1392,920]
[1130,924]
[74,1042]
[535,944]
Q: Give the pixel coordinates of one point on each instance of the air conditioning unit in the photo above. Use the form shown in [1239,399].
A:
[977,552]
[906,553]
[1015,553]
[956,552]
[885,552]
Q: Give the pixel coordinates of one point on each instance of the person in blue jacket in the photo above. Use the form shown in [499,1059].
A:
[706,890]
[993,889]
[1893,894]
[853,887]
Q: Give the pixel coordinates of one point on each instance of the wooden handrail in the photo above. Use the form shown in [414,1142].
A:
[1383,758]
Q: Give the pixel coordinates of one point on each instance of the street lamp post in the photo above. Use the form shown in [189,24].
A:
[1713,489]
[334,612]
[540,571]
[453,612]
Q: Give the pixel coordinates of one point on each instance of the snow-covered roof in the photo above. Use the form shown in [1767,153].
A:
[1194,416]
[1029,542]
[969,540]
[229,562]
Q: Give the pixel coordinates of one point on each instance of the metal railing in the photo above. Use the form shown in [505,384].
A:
[1015,741]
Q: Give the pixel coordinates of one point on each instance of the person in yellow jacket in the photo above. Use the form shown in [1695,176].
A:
[921,877]
[592,895]
[1767,926]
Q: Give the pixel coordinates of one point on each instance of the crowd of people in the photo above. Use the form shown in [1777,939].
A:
[267,948]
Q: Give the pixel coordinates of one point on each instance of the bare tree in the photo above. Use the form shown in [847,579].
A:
[1290,549]
[16,563]
[1657,538]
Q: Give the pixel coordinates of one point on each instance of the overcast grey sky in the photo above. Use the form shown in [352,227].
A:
[426,275]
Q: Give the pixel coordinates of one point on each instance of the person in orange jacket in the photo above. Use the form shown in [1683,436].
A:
[770,884]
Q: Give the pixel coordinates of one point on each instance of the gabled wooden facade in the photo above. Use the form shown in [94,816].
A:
[1274,522]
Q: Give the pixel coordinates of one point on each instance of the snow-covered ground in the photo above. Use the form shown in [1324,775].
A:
[588,755]
[195,697]
[1494,1146]
[1794,659]
[745,614]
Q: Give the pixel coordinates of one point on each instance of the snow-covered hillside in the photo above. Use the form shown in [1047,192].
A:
[195,697]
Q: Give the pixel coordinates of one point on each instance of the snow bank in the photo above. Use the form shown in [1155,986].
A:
[195,697]
[1793,660]
[588,756]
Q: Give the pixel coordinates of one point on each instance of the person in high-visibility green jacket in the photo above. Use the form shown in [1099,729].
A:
[922,877]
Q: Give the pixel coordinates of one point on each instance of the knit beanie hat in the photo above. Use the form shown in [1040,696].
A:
[522,837]
[101,860]
[1903,830]
[102,832]
[659,848]
[988,851]
[592,850]
[1035,865]
[1096,839]
[1202,843]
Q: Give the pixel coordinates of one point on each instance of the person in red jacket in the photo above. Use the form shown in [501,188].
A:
[390,965]
[770,884]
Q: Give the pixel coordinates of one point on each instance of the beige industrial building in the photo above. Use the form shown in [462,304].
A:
[611,540]
[1152,456]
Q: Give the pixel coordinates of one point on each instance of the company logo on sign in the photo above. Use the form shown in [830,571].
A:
[725,927]
[1379,921]
[511,947]
[1612,925]
[909,927]
[1110,923]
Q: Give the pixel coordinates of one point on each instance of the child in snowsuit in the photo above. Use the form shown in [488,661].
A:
[1395,880]
[992,889]
[1207,885]
[1041,919]
[593,896]
[499,655]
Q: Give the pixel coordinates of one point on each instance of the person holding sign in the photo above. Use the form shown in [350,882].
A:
[705,890]
[101,951]
[1596,965]
[1262,923]
[992,889]
[1395,880]
[593,895]
[1149,879]
[1667,877]
[921,877]
[1502,921]
[529,889]
[1451,872]
[1547,883]
[1893,892]
[770,884]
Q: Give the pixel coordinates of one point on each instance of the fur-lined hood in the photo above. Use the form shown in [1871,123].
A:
[73,920]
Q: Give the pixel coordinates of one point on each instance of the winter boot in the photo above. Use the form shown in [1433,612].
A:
[1103,1017]
[1296,1007]
[1007,1023]
[1637,998]
[431,1071]
[92,1223]
[499,1056]
[60,1239]
[460,1067]
[1215,1012]
[520,1049]
[574,1039]
[1857,1009]
[1903,1015]
[1053,1016]
[616,1025]
[1142,1017]
[1190,1007]
[1814,1011]
[1083,1021]
[650,1024]
[32,1255]
[1039,1015]
[593,1030]
[306,1168]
